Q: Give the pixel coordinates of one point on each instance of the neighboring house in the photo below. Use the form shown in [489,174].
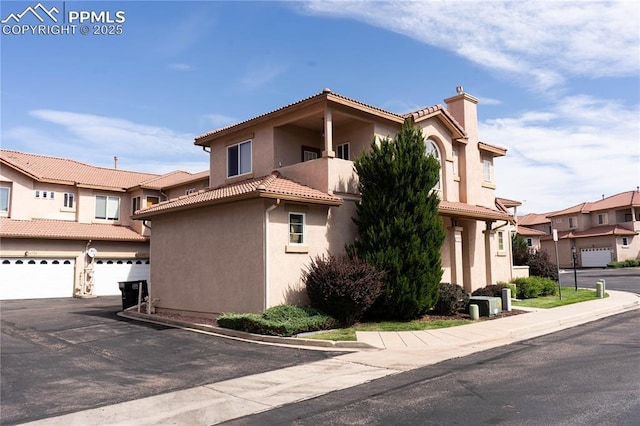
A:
[283,190]
[532,227]
[601,231]
[66,227]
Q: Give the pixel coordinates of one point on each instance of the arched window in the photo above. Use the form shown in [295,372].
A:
[432,149]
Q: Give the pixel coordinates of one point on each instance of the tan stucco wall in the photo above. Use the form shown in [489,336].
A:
[210,259]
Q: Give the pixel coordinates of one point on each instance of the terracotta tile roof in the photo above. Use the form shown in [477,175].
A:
[621,200]
[66,230]
[508,203]
[495,149]
[452,208]
[174,178]
[61,170]
[596,231]
[271,186]
[529,232]
[534,219]
[325,93]
[430,110]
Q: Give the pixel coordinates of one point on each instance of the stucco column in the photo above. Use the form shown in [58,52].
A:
[457,273]
[328,135]
[488,236]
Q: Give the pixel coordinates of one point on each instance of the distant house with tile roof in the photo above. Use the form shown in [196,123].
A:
[54,210]
[283,190]
[601,231]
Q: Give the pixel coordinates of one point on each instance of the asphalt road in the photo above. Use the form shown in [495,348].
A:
[624,279]
[588,375]
[64,355]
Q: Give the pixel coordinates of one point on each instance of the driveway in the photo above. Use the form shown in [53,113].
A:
[65,355]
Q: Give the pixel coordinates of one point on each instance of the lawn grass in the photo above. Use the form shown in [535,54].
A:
[569,296]
[349,334]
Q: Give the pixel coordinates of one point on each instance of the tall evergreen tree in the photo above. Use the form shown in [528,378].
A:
[398,224]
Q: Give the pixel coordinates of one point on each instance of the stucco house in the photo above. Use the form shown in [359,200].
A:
[600,231]
[66,227]
[283,189]
[532,227]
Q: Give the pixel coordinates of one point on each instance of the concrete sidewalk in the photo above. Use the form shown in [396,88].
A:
[376,355]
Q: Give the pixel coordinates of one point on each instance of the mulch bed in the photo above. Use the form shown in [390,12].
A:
[458,316]
[465,316]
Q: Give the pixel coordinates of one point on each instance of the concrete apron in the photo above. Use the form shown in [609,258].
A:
[230,399]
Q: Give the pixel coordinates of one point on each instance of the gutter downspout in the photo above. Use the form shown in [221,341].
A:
[266,251]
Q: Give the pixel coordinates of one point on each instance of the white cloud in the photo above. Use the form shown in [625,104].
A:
[260,75]
[220,120]
[180,67]
[583,148]
[540,44]
[97,139]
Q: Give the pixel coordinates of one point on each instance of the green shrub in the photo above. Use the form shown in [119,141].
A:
[530,287]
[342,287]
[282,320]
[451,299]
[629,263]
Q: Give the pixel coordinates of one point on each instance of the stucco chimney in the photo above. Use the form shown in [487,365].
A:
[463,107]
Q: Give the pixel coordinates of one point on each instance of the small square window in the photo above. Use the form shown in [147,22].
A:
[529,242]
[296,228]
[239,159]
[625,241]
[342,151]
[69,200]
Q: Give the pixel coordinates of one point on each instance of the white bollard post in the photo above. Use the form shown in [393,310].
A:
[600,289]
[474,312]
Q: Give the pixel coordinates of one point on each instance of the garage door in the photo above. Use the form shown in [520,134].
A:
[108,272]
[595,257]
[30,278]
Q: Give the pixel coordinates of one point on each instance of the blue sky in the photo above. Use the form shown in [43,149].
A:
[558,82]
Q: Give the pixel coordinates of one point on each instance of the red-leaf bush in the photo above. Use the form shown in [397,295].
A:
[342,287]
[451,299]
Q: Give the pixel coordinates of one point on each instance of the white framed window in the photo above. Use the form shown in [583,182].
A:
[487,170]
[189,191]
[573,222]
[107,208]
[239,159]
[529,242]
[500,240]
[625,241]
[4,200]
[297,228]
[37,194]
[343,151]
[602,219]
[69,200]
[135,204]
[432,150]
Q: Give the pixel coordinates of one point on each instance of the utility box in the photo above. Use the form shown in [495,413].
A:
[487,306]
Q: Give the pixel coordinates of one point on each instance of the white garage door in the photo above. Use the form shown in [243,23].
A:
[108,272]
[31,278]
[595,257]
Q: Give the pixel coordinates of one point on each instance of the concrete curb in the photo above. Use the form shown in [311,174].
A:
[250,337]
[519,327]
